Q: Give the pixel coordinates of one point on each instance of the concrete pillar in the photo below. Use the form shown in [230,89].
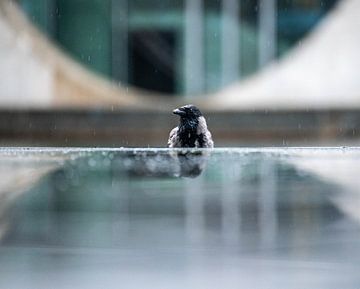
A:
[194,47]
[119,43]
[267,31]
[230,41]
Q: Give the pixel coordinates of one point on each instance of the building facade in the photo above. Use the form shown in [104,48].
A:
[176,47]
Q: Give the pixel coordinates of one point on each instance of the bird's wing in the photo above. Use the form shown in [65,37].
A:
[205,135]
[174,140]
[205,140]
[209,143]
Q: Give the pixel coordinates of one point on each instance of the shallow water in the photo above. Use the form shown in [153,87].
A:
[158,218]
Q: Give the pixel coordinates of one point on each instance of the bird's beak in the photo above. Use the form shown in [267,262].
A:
[179,111]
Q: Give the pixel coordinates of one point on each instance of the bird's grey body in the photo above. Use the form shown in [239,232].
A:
[192,130]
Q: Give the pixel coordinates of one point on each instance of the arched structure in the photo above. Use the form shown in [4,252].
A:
[321,73]
[36,74]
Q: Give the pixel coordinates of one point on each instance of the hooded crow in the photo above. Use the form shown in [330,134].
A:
[192,131]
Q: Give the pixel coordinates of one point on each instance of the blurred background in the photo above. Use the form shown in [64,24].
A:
[109,73]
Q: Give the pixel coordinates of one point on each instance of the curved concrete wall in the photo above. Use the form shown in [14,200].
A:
[34,73]
[322,73]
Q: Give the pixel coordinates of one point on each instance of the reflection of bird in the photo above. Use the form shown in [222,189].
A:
[192,130]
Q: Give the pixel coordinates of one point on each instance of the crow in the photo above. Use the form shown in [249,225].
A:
[192,131]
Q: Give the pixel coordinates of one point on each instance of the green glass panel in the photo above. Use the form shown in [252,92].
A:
[84,30]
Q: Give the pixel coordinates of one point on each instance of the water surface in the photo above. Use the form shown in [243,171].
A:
[158,218]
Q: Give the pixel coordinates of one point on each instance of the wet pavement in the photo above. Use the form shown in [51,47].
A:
[158,218]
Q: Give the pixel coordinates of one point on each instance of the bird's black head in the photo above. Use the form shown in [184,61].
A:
[188,111]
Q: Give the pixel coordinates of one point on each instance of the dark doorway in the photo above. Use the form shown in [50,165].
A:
[152,61]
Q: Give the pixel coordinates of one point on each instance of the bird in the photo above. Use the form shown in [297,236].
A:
[192,131]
